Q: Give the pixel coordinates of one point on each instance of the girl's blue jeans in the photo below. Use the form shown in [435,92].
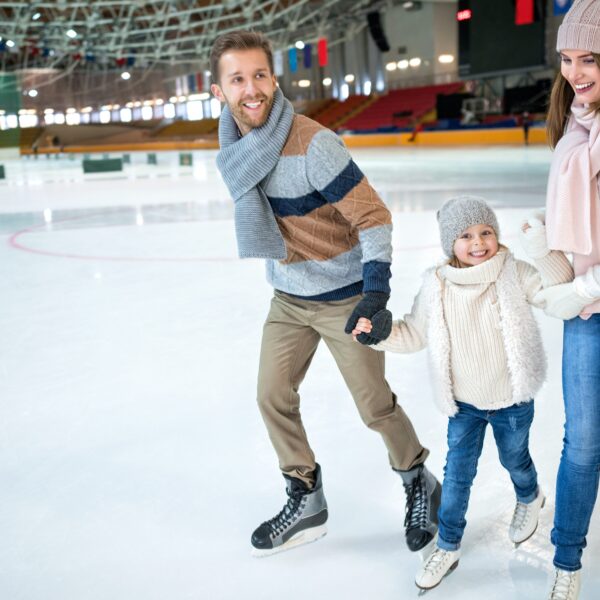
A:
[579,470]
[466,431]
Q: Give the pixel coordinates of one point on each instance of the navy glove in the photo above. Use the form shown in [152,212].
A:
[372,306]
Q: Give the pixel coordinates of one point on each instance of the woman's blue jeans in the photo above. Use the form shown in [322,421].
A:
[579,470]
[466,431]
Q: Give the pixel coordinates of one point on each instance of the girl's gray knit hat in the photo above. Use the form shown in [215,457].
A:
[580,29]
[458,214]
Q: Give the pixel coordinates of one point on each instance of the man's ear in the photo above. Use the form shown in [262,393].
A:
[217,92]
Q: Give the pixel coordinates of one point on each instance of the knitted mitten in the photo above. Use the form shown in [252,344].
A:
[372,306]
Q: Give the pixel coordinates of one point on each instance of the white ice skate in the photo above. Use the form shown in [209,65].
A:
[525,519]
[566,585]
[439,564]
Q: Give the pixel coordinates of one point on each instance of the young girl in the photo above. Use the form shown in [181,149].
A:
[487,359]
[573,224]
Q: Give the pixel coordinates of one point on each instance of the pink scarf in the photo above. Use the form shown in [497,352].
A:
[572,201]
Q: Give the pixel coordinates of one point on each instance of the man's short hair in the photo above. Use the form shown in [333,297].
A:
[238,40]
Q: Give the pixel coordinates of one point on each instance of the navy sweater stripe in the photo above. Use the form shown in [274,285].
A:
[335,191]
[340,294]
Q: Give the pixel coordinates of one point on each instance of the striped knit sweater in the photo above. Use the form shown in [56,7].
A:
[336,229]
[484,345]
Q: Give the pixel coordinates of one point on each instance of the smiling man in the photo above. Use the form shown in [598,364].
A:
[302,204]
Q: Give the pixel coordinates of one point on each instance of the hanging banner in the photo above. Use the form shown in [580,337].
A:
[562,6]
[307,56]
[293,59]
[322,52]
[278,63]
[191,81]
[199,81]
[524,12]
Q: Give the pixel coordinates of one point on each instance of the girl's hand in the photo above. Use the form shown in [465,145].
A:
[363,325]
[533,237]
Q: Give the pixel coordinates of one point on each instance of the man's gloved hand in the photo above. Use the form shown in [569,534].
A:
[372,306]
[565,301]
[533,236]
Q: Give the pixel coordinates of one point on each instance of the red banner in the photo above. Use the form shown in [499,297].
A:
[322,52]
[524,12]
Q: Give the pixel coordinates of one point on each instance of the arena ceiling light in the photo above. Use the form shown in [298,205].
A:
[446,59]
[327,81]
[349,78]
[414,62]
[71,33]
[304,83]
[125,75]
[403,64]
[391,66]
[300,45]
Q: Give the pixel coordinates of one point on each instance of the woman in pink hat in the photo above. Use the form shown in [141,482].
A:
[573,225]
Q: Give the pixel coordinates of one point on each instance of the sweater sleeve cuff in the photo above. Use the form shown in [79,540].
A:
[554,268]
[376,277]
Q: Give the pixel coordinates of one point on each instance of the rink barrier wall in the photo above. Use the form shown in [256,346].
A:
[476,137]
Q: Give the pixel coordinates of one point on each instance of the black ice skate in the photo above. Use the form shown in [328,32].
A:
[301,520]
[423,495]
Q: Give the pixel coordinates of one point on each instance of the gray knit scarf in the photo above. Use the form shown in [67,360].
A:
[244,162]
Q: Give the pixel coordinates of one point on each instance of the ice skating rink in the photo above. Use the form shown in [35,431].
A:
[133,462]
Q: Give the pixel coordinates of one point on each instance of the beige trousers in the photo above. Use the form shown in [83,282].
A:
[291,335]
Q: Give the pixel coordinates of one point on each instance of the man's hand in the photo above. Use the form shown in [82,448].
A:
[371,307]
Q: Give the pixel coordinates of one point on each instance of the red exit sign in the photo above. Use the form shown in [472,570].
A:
[464,15]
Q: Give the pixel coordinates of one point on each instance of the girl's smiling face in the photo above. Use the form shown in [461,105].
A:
[475,245]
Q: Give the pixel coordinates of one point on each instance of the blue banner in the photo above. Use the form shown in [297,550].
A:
[562,6]
[191,81]
[293,58]
[307,56]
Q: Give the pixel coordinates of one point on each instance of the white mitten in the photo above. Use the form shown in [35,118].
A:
[564,301]
[589,283]
[533,239]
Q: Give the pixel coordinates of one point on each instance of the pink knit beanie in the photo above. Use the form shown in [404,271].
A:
[580,29]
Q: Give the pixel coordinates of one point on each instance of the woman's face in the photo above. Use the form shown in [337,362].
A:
[580,69]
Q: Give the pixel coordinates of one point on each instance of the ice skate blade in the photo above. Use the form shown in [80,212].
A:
[302,537]
[423,591]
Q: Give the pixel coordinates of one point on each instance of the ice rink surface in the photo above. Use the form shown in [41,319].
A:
[133,462]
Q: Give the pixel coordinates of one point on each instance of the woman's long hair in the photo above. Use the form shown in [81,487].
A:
[559,110]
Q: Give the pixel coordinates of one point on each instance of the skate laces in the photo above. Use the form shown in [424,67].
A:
[416,503]
[563,584]
[520,515]
[283,519]
[435,561]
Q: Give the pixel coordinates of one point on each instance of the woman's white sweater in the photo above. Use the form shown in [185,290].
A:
[484,343]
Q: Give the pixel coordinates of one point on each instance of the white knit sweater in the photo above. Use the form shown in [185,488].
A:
[484,343]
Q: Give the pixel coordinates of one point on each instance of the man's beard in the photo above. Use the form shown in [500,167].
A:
[240,114]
